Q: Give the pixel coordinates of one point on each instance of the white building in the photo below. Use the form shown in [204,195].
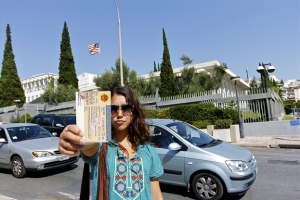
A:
[291,90]
[86,81]
[227,87]
[35,86]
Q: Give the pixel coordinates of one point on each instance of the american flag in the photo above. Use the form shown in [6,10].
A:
[94,48]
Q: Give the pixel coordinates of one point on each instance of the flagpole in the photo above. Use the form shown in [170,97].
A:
[120,45]
[100,59]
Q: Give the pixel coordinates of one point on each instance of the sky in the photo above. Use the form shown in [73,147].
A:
[240,33]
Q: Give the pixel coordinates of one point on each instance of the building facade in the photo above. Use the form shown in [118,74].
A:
[35,86]
[291,90]
[86,81]
[227,87]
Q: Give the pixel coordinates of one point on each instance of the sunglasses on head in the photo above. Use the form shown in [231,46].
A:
[126,109]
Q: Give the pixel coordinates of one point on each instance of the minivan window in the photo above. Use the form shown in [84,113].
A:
[191,134]
[162,138]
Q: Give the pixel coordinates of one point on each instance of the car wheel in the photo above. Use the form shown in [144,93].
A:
[17,167]
[207,186]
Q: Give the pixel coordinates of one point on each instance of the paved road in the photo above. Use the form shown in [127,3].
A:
[278,178]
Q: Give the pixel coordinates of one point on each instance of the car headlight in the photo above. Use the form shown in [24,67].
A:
[42,154]
[236,165]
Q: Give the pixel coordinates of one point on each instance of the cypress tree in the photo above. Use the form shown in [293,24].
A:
[10,85]
[155,70]
[67,72]
[168,86]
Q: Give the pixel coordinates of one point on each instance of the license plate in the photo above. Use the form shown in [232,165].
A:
[63,158]
[256,170]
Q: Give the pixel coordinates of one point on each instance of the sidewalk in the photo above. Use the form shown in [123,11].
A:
[291,142]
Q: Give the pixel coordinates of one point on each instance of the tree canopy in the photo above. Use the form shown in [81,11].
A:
[168,86]
[110,79]
[10,85]
[67,72]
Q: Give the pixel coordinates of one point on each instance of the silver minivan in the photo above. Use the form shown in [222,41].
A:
[193,159]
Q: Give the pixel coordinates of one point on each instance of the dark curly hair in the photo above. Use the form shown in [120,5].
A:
[138,130]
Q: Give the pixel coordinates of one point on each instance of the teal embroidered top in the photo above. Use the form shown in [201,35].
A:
[127,178]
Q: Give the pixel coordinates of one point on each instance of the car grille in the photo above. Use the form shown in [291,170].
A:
[56,163]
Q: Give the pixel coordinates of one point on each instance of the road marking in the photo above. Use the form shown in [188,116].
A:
[70,196]
[2,197]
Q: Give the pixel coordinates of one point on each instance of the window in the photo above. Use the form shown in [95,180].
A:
[2,134]
[36,120]
[161,138]
[46,121]
[57,120]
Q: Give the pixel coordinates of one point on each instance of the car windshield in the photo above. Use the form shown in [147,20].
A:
[70,119]
[22,133]
[191,134]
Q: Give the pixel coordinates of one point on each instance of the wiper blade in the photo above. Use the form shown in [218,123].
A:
[202,145]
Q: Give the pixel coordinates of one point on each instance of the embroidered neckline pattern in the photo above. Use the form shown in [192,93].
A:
[129,177]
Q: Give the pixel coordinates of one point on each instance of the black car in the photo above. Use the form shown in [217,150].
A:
[55,123]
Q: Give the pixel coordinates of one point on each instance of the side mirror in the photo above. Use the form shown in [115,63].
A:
[174,146]
[3,140]
[55,134]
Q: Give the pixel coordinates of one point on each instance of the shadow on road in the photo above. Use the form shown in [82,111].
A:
[182,191]
[5,171]
[41,174]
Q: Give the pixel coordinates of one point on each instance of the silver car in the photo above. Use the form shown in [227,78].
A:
[30,147]
[193,159]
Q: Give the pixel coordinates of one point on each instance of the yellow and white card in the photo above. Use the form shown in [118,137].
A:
[93,115]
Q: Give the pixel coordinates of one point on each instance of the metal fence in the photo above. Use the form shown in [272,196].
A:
[255,105]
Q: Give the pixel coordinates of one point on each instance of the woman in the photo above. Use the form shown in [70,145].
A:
[129,165]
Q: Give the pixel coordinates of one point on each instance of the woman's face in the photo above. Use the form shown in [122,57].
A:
[121,118]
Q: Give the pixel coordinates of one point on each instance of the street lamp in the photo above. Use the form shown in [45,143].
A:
[120,44]
[263,71]
[240,121]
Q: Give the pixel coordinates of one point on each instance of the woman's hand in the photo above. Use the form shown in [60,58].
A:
[71,141]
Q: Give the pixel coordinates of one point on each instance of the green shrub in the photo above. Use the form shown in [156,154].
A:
[193,112]
[223,123]
[231,113]
[15,119]
[151,113]
[250,116]
[200,115]
[164,113]
[28,118]
[201,124]
[287,117]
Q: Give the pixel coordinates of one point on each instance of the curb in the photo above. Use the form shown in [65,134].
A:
[272,144]
[292,142]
